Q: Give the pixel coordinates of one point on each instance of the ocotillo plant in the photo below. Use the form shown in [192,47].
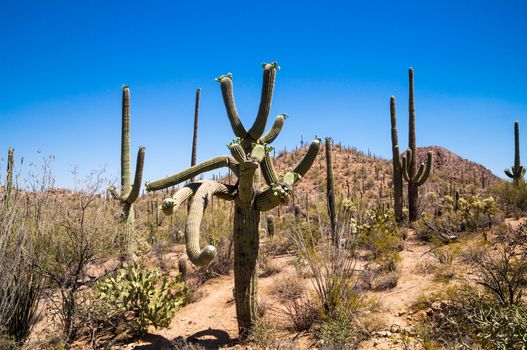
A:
[397,176]
[9,179]
[330,190]
[415,177]
[250,154]
[129,193]
[517,171]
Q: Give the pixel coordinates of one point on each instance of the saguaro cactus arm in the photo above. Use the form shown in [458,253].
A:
[269,76]
[211,164]
[202,196]
[424,176]
[517,171]
[273,133]
[306,162]
[230,105]
[268,171]
[422,173]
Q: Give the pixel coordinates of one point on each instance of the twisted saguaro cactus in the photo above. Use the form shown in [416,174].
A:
[414,176]
[129,193]
[9,179]
[330,191]
[397,175]
[250,154]
[517,171]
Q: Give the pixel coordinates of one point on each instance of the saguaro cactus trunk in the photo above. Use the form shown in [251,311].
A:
[249,155]
[516,172]
[330,191]
[129,193]
[8,199]
[195,134]
[414,176]
[397,176]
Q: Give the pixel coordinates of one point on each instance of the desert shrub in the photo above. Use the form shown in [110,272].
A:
[466,318]
[502,271]
[512,197]
[301,313]
[445,256]
[263,333]
[82,232]
[338,331]
[141,298]
[454,217]
[268,266]
[379,235]
[333,276]
[288,287]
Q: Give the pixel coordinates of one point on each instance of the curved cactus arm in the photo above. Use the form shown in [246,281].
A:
[420,172]
[272,196]
[268,171]
[170,205]
[509,173]
[273,133]
[269,76]
[201,257]
[237,152]
[306,162]
[211,164]
[422,179]
[230,105]
[406,177]
[133,194]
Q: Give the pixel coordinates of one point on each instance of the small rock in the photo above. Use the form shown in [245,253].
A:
[401,313]
[395,328]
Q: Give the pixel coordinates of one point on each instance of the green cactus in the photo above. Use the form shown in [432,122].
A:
[397,176]
[129,192]
[414,176]
[270,225]
[330,191]
[195,134]
[250,155]
[517,171]
[8,199]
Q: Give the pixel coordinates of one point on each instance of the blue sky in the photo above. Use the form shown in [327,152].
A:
[62,64]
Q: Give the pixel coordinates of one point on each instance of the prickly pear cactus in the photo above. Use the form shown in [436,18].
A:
[249,156]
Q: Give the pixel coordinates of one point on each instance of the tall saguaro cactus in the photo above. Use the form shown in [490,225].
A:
[414,176]
[330,189]
[517,171]
[9,179]
[129,192]
[397,176]
[249,154]
[195,134]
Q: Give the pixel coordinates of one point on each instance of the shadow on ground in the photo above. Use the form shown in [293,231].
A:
[210,339]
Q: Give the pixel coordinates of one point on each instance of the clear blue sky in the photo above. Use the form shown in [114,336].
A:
[62,64]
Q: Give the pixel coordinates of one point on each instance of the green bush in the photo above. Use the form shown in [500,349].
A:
[513,197]
[467,318]
[380,236]
[142,297]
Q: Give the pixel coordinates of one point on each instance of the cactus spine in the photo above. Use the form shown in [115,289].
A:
[330,190]
[517,171]
[414,176]
[397,176]
[9,179]
[250,154]
[129,192]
